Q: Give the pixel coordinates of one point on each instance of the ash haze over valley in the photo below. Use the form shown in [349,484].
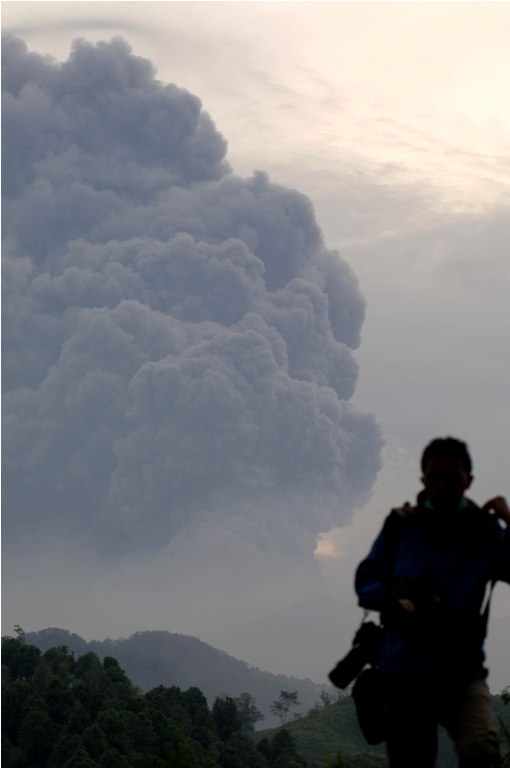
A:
[218,379]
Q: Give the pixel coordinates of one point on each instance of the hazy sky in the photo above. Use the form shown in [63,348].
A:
[393,119]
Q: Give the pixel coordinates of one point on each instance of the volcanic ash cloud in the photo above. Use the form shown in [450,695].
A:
[177,340]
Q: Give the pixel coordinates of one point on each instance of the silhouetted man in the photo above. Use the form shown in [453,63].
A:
[429,574]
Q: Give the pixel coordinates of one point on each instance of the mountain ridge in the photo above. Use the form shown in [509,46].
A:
[159,657]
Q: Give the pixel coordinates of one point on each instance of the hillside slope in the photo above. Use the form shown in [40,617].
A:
[323,735]
[155,658]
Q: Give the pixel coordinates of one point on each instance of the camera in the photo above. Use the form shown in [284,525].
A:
[365,648]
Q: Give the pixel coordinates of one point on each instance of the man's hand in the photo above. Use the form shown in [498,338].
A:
[398,606]
[499,506]
[406,605]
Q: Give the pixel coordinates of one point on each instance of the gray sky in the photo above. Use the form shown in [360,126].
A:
[393,120]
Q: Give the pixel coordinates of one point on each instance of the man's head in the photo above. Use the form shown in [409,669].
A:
[446,472]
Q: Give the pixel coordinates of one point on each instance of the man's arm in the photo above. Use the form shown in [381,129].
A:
[375,582]
[374,576]
[499,507]
[371,581]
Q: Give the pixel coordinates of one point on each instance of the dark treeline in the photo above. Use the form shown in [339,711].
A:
[66,712]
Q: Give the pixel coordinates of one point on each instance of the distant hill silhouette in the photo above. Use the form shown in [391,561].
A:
[155,658]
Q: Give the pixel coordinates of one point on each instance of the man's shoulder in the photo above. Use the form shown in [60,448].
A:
[405,512]
[399,519]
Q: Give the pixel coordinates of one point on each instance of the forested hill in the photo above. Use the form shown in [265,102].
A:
[164,658]
[59,711]
[62,711]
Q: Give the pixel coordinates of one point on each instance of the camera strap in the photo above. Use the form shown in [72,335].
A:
[486,605]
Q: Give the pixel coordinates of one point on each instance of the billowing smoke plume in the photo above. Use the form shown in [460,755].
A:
[177,355]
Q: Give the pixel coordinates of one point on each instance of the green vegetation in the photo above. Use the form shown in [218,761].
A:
[282,706]
[62,712]
[65,712]
[329,736]
[248,712]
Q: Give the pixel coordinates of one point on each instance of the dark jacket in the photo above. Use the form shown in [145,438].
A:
[443,563]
